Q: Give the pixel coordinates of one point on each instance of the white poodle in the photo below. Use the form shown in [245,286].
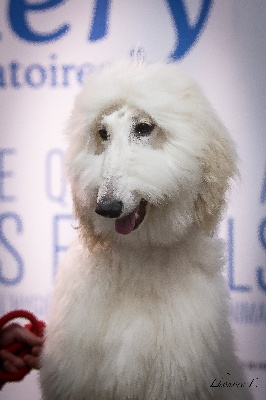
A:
[140,305]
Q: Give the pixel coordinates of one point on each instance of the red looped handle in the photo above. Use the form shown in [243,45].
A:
[20,349]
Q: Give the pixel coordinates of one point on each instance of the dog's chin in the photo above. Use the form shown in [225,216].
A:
[130,222]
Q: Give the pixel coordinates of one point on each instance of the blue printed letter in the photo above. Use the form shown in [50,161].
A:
[5,174]
[57,233]
[233,286]
[55,182]
[263,190]
[262,239]
[99,25]
[18,10]
[11,249]
[187,34]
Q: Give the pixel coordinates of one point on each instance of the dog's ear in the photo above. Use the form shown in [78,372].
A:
[219,168]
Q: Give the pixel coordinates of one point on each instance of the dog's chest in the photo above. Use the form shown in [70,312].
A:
[133,334]
[131,331]
[132,347]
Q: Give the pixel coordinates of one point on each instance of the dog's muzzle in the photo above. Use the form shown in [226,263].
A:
[114,209]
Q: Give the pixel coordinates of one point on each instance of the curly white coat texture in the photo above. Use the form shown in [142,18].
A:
[140,305]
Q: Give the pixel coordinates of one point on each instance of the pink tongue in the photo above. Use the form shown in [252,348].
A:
[126,224]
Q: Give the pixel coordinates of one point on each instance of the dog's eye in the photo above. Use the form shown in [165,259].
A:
[143,129]
[103,134]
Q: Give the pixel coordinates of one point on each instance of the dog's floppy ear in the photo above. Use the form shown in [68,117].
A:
[219,167]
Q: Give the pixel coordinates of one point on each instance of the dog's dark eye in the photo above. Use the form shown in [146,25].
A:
[143,129]
[103,134]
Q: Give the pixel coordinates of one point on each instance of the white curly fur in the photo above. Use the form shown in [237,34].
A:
[143,315]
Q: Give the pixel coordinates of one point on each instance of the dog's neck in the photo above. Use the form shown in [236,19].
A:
[191,249]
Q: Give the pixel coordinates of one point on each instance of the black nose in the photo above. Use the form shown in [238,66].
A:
[109,208]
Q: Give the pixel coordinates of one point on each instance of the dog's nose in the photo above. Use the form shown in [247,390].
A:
[109,208]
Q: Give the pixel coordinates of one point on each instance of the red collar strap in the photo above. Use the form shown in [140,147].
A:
[20,349]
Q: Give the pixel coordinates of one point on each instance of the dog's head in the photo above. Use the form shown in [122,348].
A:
[148,158]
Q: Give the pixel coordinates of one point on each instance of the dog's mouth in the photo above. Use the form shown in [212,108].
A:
[132,221]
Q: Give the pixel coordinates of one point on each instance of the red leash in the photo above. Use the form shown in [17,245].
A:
[20,349]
